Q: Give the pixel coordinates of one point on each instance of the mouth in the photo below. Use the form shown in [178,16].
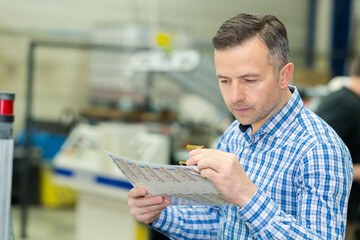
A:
[241,110]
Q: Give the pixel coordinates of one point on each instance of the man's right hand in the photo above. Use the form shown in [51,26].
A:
[144,208]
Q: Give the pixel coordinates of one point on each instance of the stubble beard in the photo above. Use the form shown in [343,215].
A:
[258,114]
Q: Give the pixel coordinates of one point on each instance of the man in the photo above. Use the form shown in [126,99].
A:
[341,110]
[284,172]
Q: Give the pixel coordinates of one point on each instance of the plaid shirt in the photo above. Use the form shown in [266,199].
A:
[303,172]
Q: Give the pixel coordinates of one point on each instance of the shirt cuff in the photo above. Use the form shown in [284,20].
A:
[159,222]
[258,212]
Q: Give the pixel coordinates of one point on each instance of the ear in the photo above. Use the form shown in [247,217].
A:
[285,75]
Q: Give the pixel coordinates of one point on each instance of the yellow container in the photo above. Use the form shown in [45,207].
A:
[141,231]
[51,194]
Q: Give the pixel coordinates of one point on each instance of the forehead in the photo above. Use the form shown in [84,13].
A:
[253,45]
[252,54]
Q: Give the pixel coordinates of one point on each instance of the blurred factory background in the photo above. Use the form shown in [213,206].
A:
[136,78]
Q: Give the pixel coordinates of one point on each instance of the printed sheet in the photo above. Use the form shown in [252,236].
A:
[183,184]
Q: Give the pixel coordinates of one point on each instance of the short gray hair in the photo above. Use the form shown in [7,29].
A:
[236,30]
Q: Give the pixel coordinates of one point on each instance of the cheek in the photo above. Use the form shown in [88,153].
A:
[267,97]
[262,97]
[271,98]
[225,95]
[257,94]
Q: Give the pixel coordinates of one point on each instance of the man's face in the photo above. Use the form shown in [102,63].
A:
[247,83]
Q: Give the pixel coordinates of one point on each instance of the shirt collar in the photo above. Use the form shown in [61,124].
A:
[279,122]
[243,128]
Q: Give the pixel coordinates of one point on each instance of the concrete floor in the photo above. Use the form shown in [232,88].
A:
[45,223]
[50,224]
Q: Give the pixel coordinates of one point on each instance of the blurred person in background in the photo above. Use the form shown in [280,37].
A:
[285,173]
[341,110]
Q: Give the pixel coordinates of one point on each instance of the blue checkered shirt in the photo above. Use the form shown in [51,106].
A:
[303,172]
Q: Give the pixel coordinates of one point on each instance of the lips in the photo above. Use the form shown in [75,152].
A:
[241,110]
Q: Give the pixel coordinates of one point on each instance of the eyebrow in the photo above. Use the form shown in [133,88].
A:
[241,76]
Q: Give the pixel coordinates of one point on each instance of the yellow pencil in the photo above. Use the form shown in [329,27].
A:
[193,147]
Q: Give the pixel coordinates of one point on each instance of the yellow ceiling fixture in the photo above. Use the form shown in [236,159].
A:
[164,41]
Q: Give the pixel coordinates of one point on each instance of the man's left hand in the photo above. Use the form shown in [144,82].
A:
[225,171]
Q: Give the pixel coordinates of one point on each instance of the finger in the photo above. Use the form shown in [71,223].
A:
[215,159]
[137,192]
[167,200]
[195,151]
[206,159]
[147,209]
[148,214]
[146,201]
[209,163]
[204,151]
[149,218]
[208,173]
[200,154]
[195,156]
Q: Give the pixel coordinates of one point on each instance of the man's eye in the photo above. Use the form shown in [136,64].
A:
[250,80]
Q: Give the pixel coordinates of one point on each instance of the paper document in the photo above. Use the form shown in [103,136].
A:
[182,184]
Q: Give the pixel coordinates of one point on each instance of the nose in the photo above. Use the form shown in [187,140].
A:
[237,93]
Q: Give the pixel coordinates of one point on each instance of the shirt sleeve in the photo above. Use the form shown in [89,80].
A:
[188,222]
[323,187]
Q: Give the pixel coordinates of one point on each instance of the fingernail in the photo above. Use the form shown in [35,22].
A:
[190,163]
[166,203]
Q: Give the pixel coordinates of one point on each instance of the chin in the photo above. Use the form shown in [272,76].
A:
[242,121]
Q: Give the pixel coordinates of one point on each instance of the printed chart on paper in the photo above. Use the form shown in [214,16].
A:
[182,184]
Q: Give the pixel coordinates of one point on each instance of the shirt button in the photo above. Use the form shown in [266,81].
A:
[228,219]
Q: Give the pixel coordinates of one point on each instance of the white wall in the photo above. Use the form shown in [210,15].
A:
[201,17]
[62,76]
